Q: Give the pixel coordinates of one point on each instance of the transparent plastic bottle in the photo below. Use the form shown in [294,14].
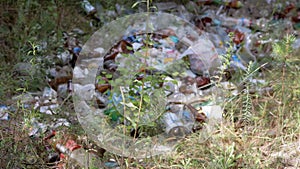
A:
[174,126]
[230,21]
[81,156]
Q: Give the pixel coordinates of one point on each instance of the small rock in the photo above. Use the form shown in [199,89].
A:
[177,97]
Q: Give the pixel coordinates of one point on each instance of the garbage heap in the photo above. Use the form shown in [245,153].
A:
[143,78]
[136,51]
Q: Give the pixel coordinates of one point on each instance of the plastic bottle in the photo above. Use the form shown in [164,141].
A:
[72,150]
[230,21]
[174,126]
[79,155]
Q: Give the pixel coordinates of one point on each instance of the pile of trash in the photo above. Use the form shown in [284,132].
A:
[181,64]
[186,63]
[172,63]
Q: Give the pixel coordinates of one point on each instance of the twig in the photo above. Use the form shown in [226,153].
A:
[124,114]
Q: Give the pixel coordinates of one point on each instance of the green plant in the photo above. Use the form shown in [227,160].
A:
[138,102]
[282,52]
[227,158]
[247,106]
[184,163]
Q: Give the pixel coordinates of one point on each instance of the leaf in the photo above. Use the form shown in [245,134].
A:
[136,3]
[175,82]
[175,73]
[129,48]
[131,121]
[130,105]
[146,98]
[167,87]
[108,76]
[115,115]
[112,113]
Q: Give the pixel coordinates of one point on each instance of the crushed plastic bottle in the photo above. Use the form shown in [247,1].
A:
[88,8]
